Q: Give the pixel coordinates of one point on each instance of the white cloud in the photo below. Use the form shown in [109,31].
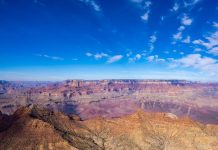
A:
[187,40]
[136,1]
[50,57]
[215,24]
[129,54]
[144,5]
[100,55]
[155,58]
[197,61]
[161,60]
[114,59]
[200,42]
[138,56]
[135,58]
[212,41]
[197,50]
[145,16]
[191,3]
[147,4]
[153,38]
[88,54]
[110,59]
[181,28]
[178,36]
[186,20]
[150,58]
[97,56]
[151,47]
[214,51]
[93,4]
[175,7]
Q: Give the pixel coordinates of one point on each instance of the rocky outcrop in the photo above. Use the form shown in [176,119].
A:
[5,121]
[35,127]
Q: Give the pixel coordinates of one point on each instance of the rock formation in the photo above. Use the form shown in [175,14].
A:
[34,127]
[115,98]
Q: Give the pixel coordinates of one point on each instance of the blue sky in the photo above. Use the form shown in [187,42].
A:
[109,39]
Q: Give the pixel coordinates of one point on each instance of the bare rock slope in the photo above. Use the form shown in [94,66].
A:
[34,127]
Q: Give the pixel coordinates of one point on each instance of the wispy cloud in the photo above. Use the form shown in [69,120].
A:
[177,36]
[110,59]
[181,53]
[137,1]
[152,40]
[201,42]
[186,20]
[135,58]
[145,16]
[197,61]
[97,55]
[144,5]
[214,51]
[92,4]
[187,40]
[175,7]
[215,24]
[114,59]
[155,58]
[100,55]
[39,2]
[181,28]
[210,42]
[129,53]
[191,3]
[197,50]
[88,54]
[50,57]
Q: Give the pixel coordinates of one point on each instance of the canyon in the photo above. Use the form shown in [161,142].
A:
[109,115]
[115,98]
[34,127]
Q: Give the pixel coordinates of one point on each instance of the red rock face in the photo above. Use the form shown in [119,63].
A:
[115,98]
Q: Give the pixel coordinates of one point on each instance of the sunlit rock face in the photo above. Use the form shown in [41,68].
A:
[115,98]
[34,127]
